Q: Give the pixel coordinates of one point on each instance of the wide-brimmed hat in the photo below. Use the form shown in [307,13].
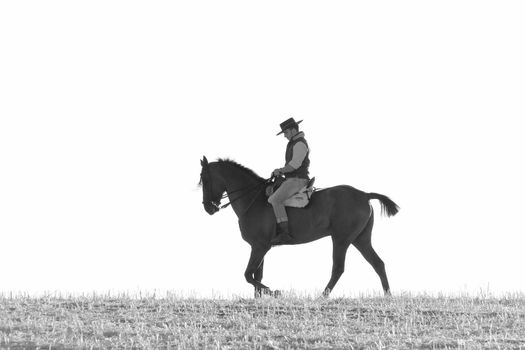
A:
[289,124]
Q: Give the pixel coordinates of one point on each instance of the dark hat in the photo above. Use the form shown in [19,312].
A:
[289,124]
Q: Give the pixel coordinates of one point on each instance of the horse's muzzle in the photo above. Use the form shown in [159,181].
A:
[211,207]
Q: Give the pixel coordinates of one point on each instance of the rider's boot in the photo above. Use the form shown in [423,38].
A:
[283,234]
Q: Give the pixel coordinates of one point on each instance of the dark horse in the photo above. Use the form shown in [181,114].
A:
[342,212]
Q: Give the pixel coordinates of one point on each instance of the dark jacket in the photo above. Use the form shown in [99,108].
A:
[302,171]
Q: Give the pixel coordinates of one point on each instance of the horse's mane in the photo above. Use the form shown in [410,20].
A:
[240,167]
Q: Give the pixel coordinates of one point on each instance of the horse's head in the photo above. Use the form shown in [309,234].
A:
[212,188]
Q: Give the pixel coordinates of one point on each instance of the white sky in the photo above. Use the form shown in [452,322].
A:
[106,108]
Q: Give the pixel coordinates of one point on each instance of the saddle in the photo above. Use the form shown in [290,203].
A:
[297,200]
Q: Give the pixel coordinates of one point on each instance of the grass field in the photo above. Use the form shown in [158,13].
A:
[399,322]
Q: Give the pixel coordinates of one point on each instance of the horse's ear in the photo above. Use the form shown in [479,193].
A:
[204,161]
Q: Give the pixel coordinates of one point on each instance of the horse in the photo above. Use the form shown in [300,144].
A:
[342,212]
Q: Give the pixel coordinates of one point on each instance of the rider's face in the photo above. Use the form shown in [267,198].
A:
[288,133]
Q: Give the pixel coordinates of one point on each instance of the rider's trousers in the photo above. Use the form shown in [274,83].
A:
[287,189]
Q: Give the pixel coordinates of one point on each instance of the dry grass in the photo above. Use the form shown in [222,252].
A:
[124,322]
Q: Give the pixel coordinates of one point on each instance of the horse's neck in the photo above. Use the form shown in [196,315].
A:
[242,189]
[237,179]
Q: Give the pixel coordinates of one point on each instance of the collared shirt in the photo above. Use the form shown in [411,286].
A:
[299,152]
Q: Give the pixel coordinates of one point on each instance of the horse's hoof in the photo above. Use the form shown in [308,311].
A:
[267,291]
[260,292]
[326,293]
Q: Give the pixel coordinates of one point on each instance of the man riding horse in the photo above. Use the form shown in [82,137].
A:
[342,212]
[295,172]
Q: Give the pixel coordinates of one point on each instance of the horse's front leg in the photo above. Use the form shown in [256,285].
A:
[254,270]
[258,275]
[259,292]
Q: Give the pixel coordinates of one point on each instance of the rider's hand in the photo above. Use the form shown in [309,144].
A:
[276,172]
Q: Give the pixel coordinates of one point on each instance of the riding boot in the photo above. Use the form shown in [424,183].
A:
[283,234]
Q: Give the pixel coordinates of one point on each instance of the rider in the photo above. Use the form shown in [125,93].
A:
[296,174]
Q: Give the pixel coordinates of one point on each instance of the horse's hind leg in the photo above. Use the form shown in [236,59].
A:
[363,243]
[338,264]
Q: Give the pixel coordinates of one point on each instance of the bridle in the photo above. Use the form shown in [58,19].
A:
[245,190]
[208,189]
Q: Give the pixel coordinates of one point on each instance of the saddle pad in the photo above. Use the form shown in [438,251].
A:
[300,199]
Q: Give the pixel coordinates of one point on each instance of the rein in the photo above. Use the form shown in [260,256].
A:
[248,189]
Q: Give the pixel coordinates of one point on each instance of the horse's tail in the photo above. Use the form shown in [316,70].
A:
[388,207]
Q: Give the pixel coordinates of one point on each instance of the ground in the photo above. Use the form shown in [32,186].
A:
[289,322]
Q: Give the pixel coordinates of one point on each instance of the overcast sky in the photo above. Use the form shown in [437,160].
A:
[107,107]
